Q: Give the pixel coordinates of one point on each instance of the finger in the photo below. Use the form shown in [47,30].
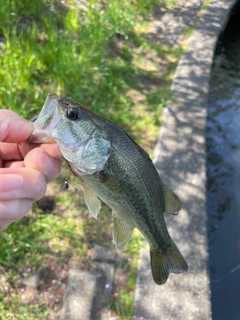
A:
[21,183]
[51,148]
[15,151]
[13,128]
[13,210]
[9,151]
[40,160]
[13,164]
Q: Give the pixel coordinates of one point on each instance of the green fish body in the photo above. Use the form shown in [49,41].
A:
[113,168]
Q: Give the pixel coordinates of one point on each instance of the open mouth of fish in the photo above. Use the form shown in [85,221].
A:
[45,121]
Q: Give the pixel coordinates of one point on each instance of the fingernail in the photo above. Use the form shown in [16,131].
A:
[45,163]
[9,182]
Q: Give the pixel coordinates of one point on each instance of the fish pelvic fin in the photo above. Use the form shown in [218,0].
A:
[172,202]
[165,263]
[122,232]
[92,202]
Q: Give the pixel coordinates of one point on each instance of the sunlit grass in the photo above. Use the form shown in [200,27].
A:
[122,301]
[13,307]
[56,49]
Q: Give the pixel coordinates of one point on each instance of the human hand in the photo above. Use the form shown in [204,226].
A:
[25,168]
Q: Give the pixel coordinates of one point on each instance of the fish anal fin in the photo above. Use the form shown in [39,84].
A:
[165,263]
[92,202]
[172,202]
[122,232]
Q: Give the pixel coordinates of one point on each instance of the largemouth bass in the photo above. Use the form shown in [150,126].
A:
[114,169]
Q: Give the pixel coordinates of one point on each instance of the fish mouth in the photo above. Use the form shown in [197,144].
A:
[46,121]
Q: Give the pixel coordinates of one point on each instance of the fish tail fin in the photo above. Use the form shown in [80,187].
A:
[164,263]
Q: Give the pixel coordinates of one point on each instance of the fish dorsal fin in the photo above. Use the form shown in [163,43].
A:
[172,202]
[122,232]
[92,202]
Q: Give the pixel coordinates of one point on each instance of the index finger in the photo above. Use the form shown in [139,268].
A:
[14,128]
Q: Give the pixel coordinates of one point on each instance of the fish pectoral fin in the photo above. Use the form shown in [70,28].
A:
[163,263]
[92,202]
[172,202]
[122,232]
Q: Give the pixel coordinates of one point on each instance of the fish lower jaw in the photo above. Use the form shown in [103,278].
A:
[39,136]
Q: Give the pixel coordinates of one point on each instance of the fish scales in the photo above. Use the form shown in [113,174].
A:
[132,173]
[115,169]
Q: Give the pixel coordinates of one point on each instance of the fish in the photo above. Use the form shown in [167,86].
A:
[115,170]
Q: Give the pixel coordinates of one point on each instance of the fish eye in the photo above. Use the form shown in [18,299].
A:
[73,114]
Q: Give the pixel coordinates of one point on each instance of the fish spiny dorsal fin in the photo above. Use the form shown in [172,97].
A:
[122,232]
[92,202]
[172,202]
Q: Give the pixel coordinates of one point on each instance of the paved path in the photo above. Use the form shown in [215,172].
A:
[176,20]
[180,159]
[88,293]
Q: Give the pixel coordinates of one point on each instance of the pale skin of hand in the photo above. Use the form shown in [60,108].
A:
[25,168]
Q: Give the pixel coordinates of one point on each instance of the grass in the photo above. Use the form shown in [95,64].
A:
[206,4]
[97,52]
[20,311]
[91,55]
